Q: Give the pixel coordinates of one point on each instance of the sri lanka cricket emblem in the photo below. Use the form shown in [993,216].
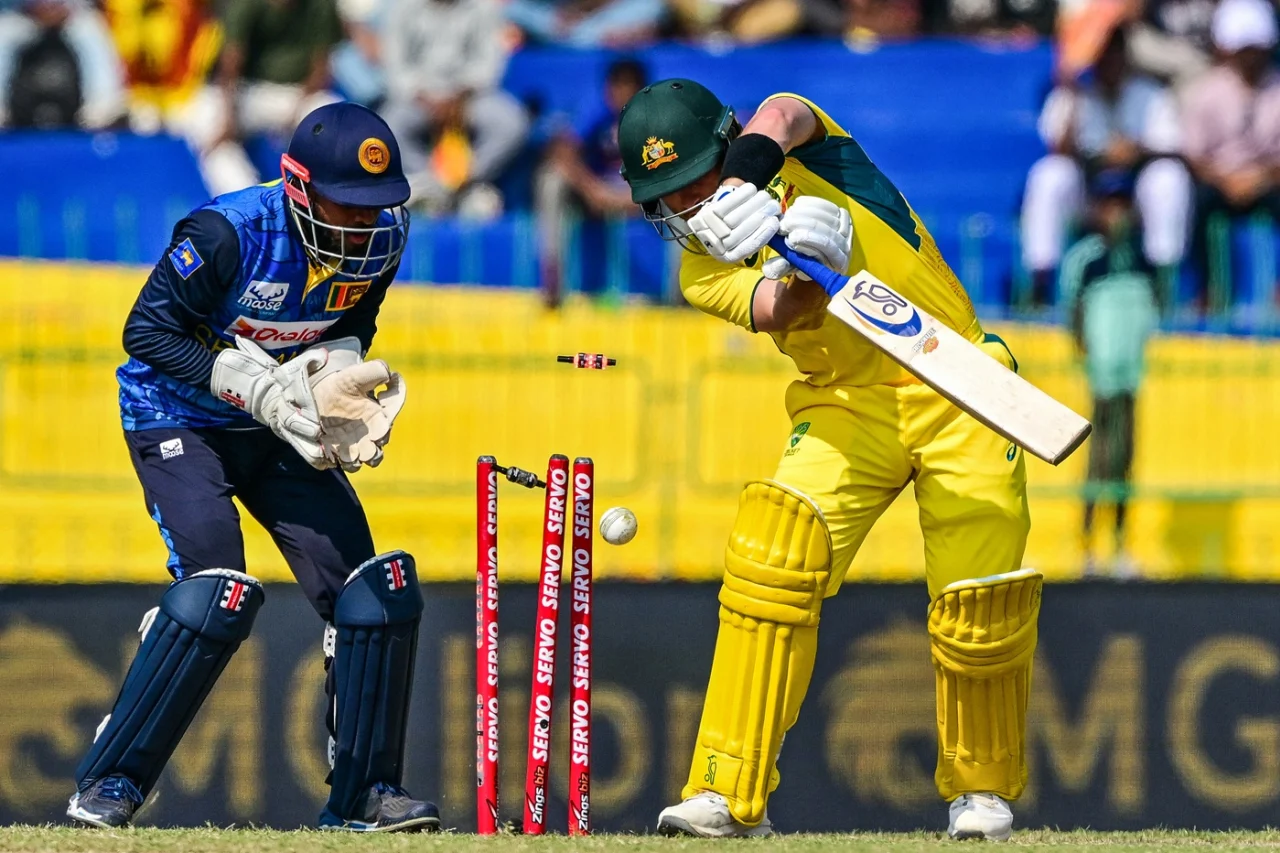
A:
[374,156]
[657,151]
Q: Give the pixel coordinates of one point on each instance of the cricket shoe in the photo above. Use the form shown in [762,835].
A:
[109,803]
[387,808]
[981,816]
[706,815]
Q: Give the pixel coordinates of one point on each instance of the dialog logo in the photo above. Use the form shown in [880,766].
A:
[270,335]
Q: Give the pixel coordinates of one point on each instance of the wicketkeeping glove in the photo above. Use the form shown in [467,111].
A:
[277,395]
[818,228]
[737,222]
[355,423]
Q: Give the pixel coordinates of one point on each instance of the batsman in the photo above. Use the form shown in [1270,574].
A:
[862,429]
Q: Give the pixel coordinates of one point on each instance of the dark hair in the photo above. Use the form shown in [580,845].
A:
[627,70]
[1117,40]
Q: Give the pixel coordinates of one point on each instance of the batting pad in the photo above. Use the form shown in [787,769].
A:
[201,621]
[777,565]
[983,638]
[376,619]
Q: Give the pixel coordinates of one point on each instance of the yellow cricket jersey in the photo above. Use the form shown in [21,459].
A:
[889,241]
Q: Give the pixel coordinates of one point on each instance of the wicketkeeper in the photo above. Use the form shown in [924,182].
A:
[862,429]
[246,378]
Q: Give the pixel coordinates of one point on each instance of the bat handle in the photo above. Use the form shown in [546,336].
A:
[828,279]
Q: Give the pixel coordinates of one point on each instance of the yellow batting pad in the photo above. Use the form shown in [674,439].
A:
[777,565]
[983,637]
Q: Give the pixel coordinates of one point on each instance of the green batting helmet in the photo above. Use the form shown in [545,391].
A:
[670,134]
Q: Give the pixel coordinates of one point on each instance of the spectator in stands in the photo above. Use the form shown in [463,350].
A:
[1171,39]
[881,18]
[274,70]
[1000,18]
[580,176]
[1111,290]
[357,62]
[760,21]
[168,48]
[458,129]
[58,67]
[1232,125]
[1117,120]
[588,23]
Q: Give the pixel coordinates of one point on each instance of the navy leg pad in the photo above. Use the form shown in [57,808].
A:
[376,619]
[198,626]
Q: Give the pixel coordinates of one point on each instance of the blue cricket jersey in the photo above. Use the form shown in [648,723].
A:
[234,267]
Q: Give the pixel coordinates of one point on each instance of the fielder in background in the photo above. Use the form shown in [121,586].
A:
[246,378]
[1110,286]
[862,429]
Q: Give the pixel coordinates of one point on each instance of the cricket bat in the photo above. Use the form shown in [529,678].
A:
[945,361]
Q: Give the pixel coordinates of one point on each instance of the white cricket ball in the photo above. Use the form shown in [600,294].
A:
[618,525]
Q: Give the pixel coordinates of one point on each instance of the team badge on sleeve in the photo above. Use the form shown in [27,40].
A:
[186,259]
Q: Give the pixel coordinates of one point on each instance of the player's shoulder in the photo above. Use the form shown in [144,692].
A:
[258,208]
[830,125]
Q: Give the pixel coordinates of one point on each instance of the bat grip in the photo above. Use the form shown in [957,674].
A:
[827,278]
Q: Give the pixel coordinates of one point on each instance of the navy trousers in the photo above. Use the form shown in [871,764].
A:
[189,476]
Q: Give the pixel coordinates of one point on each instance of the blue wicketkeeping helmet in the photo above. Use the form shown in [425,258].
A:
[347,155]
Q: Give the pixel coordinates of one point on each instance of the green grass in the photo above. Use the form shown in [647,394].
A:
[58,839]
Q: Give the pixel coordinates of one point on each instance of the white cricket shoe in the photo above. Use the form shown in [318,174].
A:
[982,816]
[706,815]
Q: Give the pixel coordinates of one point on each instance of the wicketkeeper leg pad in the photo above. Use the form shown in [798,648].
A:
[777,565]
[983,638]
[376,621]
[201,621]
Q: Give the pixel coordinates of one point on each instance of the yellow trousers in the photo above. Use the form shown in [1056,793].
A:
[850,453]
[853,459]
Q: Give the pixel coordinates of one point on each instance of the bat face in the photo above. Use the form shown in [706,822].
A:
[883,310]
[964,374]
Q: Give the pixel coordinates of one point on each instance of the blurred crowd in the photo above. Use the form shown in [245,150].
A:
[1182,97]
[219,71]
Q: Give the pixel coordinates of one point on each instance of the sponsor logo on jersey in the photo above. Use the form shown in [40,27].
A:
[272,335]
[884,310]
[186,259]
[264,295]
[344,294]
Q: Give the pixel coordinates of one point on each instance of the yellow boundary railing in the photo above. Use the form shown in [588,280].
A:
[693,410]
